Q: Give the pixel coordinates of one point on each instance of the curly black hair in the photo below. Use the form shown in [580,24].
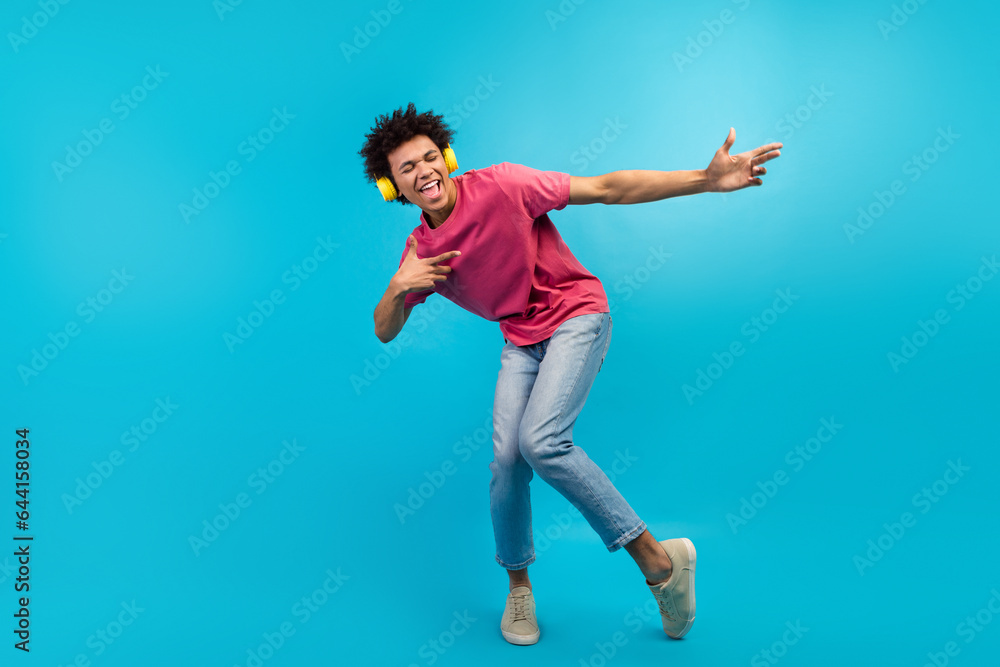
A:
[391,131]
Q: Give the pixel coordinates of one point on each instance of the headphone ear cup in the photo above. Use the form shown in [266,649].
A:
[387,189]
[449,159]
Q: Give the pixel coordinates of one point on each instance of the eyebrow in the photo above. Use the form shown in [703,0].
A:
[411,161]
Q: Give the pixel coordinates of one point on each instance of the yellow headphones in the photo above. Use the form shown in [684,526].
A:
[388,190]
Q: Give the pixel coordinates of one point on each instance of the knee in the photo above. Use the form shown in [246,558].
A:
[532,442]
[506,455]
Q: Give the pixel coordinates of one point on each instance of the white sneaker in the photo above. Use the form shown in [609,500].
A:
[675,596]
[518,624]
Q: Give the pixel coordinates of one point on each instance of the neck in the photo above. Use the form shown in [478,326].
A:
[437,218]
[435,221]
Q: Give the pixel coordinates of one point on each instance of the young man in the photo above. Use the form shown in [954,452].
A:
[485,241]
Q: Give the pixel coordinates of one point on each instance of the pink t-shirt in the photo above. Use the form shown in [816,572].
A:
[515,268]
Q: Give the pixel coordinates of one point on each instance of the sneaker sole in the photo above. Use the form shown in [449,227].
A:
[521,640]
[692,559]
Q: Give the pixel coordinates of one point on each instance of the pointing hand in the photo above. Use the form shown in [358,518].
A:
[734,172]
[416,274]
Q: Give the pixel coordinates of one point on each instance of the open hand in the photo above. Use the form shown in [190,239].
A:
[417,274]
[733,172]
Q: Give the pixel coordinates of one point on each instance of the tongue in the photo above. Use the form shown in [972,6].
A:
[433,191]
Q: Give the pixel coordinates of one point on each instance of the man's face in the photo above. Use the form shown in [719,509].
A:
[416,164]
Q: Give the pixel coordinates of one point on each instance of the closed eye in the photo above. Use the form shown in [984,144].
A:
[430,156]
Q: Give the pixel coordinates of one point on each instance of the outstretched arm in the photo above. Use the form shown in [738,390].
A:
[725,173]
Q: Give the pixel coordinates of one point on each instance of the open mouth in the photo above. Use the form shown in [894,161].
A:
[432,190]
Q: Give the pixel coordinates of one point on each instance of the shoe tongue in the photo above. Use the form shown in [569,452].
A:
[520,590]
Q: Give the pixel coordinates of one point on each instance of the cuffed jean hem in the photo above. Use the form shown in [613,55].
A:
[627,537]
[516,567]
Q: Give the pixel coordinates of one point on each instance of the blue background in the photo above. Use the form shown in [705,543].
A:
[558,73]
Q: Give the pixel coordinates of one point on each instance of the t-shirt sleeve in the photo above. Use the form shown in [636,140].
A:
[536,192]
[413,298]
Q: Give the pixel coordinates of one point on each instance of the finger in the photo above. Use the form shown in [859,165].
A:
[759,171]
[413,246]
[761,159]
[444,256]
[730,138]
[756,181]
[768,147]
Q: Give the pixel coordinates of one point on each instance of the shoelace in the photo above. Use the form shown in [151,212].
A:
[662,602]
[520,613]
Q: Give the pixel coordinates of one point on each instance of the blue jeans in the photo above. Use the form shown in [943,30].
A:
[541,389]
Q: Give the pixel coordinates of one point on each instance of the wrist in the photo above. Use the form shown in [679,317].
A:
[396,289]
[704,181]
